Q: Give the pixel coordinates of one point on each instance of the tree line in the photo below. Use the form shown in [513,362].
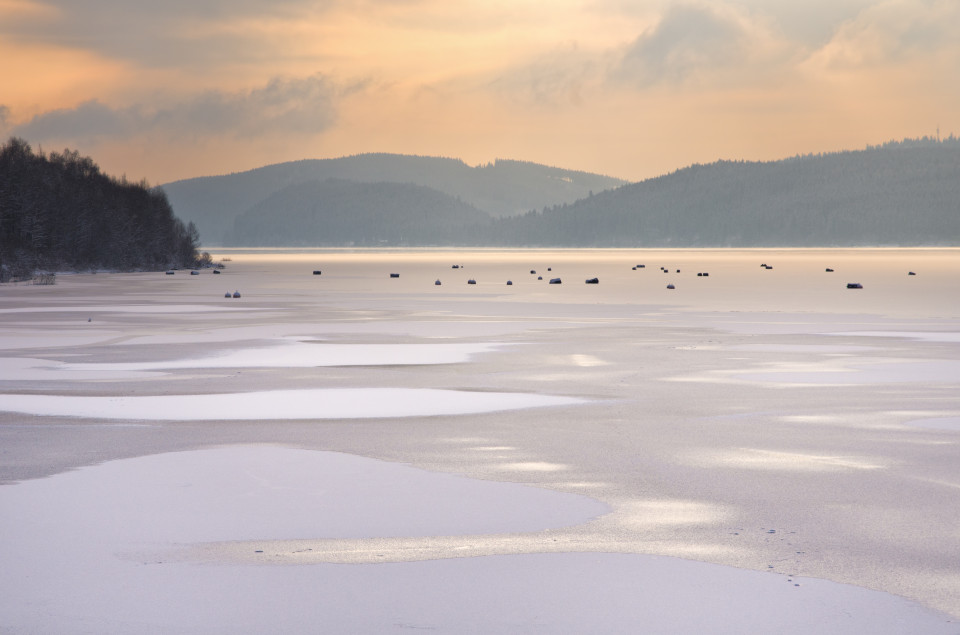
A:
[58,212]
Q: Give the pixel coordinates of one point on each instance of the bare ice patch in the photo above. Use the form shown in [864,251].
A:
[933,371]
[925,336]
[129,308]
[321,403]
[30,369]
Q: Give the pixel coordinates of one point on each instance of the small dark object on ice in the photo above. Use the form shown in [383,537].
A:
[539,277]
[236,294]
[854,285]
[533,271]
[394,275]
[509,283]
[316,272]
[437,283]
[641,266]
[227,295]
[555,280]
[194,273]
[549,268]
[829,270]
[455,267]
[911,273]
[593,280]
[216,271]
[670,286]
[171,272]
[471,281]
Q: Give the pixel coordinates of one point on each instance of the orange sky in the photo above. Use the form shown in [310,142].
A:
[632,89]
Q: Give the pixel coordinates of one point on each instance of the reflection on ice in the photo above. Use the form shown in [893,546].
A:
[757,459]
[655,513]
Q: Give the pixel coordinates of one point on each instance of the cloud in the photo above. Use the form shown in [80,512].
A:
[695,43]
[281,107]
[559,78]
[148,32]
[891,33]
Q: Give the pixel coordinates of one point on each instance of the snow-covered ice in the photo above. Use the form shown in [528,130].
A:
[319,403]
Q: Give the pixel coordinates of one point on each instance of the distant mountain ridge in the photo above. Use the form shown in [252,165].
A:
[904,193]
[338,212]
[901,193]
[501,188]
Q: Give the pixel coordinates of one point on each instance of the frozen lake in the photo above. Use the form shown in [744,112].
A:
[757,449]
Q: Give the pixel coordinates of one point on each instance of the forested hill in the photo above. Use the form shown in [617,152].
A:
[902,193]
[339,212]
[501,188]
[59,213]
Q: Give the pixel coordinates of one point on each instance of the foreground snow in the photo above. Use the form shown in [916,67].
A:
[97,551]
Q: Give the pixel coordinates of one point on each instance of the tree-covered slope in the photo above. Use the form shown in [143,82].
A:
[500,188]
[340,212]
[58,212]
[905,193]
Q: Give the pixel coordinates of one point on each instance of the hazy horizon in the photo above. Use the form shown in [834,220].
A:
[629,90]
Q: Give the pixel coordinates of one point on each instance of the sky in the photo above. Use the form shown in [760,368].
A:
[628,88]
